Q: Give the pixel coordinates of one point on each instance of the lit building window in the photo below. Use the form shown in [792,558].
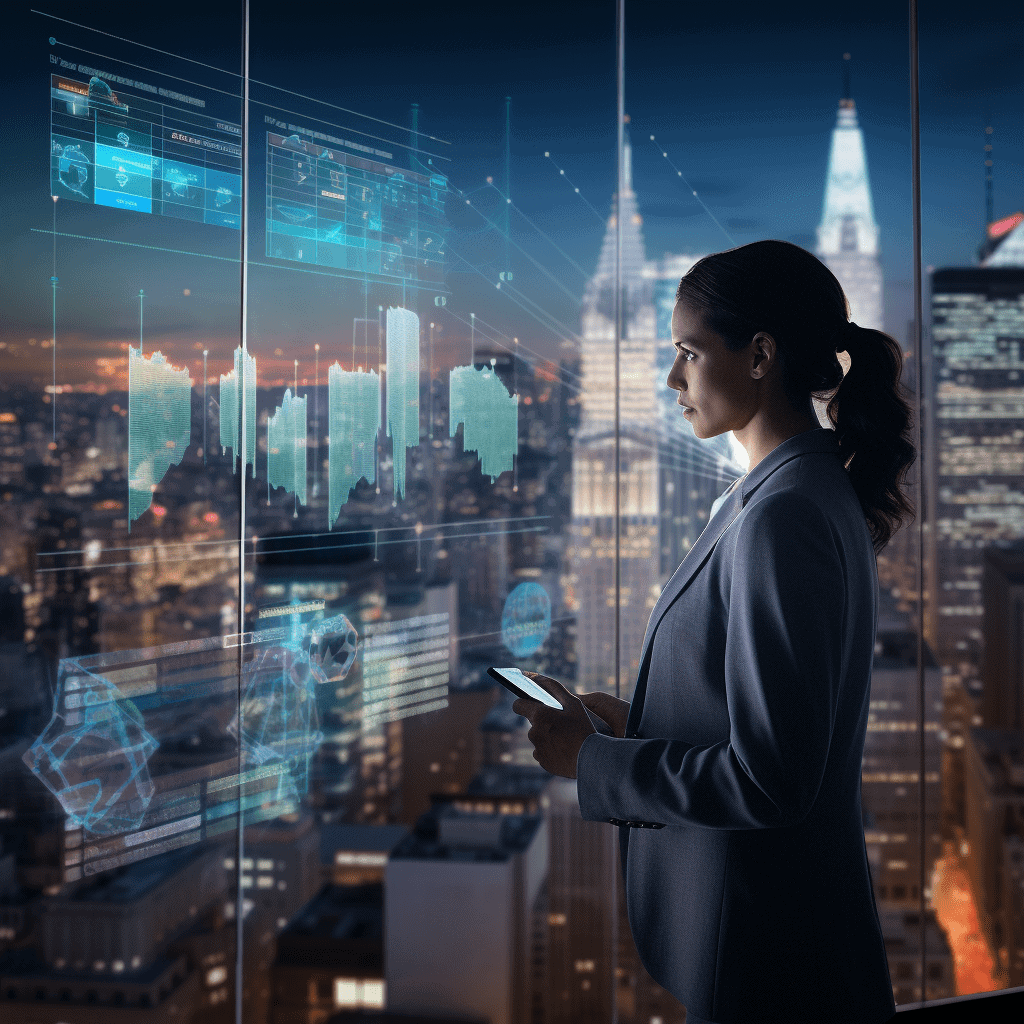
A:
[373,994]
[346,992]
[216,976]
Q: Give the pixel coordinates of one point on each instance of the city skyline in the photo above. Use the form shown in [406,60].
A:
[253,573]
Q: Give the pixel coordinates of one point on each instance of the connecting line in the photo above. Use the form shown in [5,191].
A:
[513,299]
[122,39]
[693,191]
[552,242]
[301,269]
[292,536]
[513,349]
[576,190]
[540,309]
[547,273]
[705,471]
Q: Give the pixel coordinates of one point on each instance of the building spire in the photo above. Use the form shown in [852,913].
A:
[627,162]
[847,217]
[848,233]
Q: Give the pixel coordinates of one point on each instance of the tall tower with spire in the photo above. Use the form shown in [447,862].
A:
[592,561]
[848,233]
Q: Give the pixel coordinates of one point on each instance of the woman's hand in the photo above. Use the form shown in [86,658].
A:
[611,709]
[556,735]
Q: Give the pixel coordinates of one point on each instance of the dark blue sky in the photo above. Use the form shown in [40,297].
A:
[743,98]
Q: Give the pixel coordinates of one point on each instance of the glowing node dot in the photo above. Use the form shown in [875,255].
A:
[560,171]
[577,190]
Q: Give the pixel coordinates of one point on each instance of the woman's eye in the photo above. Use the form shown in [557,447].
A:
[686,354]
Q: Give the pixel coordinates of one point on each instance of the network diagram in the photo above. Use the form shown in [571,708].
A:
[119,752]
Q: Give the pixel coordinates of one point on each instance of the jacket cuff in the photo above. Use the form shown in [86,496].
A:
[595,760]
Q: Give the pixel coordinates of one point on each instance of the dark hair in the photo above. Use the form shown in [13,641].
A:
[784,290]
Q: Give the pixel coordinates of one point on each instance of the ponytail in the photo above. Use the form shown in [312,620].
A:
[872,420]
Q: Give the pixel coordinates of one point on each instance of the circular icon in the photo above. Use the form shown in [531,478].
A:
[526,619]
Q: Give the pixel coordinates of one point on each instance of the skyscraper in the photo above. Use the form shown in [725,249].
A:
[848,234]
[978,359]
[593,491]
[668,477]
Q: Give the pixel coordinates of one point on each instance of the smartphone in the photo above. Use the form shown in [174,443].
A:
[523,686]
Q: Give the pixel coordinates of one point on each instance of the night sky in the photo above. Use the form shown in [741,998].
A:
[741,97]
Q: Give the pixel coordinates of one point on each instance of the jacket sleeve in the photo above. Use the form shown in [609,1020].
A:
[783,659]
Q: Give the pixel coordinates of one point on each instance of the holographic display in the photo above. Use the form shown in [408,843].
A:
[335,209]
[128,151]
[353,424]
[403,387]
[159,424]
[235,385]
[286,446]
[526,619]
[93,754]
[142,751]
[405,668]
[489,416]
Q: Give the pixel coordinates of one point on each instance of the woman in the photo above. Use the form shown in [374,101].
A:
[734,773]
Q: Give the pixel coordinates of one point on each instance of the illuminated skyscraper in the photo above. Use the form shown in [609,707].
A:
[668,477]
[593,491]
[978,361]
[848,234]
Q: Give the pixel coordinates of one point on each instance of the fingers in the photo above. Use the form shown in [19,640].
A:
[526,708]
[553,686]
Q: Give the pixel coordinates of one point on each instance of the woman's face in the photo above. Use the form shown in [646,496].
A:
[715,386]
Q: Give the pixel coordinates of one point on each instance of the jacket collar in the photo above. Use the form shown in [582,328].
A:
[817,439]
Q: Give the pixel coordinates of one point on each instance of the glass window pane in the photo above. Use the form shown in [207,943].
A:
[745,126]
[427,205]
[119,516]
[974,304]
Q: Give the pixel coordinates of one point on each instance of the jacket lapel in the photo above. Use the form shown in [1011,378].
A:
[688,568]
[818,440]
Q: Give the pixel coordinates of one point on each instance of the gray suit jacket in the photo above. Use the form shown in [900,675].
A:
[737,786]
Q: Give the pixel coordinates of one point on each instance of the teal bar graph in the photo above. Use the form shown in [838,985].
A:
[286,446]
[159,424]
[403,387]
[489,415]
[353,399]
[234,384]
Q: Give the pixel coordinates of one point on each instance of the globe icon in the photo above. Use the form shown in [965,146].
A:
[526,619]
